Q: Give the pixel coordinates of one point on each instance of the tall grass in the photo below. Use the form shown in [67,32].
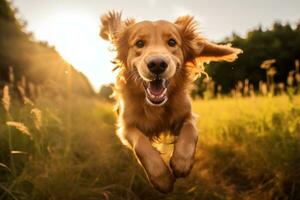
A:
[248,149]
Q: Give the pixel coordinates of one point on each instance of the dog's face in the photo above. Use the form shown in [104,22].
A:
[154,50]
[157,50]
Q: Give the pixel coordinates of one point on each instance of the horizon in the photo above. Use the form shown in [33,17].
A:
[49,22]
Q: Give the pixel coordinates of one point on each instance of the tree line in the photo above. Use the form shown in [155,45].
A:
[280,43]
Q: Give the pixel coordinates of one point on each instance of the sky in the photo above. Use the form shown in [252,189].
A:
[72,26]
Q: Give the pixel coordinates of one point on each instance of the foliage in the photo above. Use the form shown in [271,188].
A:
[280,42]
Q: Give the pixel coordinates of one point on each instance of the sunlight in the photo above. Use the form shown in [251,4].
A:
[61,140]
[75,36]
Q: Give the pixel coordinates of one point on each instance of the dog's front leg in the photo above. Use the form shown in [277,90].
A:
[182,158]
[156,169]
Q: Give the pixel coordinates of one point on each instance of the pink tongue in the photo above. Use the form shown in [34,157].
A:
[156,88]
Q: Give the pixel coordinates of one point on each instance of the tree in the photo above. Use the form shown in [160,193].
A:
[281,42]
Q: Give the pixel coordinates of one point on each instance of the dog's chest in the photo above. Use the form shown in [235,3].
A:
[154,120]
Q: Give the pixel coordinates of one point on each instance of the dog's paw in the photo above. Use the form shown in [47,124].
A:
[181,166]
[163,181]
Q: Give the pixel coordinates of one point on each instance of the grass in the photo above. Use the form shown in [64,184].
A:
[248,149]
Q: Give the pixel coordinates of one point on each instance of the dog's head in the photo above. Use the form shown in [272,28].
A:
[157,50]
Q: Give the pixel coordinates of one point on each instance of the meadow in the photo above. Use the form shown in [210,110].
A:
[65,148]
[58,141]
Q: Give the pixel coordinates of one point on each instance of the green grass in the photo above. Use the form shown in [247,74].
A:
[248,149]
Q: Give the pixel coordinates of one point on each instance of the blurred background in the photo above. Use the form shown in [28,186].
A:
[57,122]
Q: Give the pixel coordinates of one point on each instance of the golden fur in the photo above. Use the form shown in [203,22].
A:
[139,121]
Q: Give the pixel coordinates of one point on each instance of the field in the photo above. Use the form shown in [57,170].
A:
[65,149]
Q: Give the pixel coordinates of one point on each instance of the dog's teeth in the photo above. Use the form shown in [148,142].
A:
[162,95]
[164,82]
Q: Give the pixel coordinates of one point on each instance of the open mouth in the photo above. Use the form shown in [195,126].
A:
[156,92]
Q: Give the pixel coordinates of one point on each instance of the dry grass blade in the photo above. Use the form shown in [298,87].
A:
[6,99]
[37,113]
[19,126]
[27,101]
[21,90]
[8,192]
[5,167]
[11,76]
[19,152]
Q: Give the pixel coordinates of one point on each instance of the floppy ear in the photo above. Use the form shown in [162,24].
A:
[112,25]
[195,46]
[114,29]
[215,52]
[187,27]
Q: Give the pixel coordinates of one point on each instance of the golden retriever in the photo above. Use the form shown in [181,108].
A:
[156,61]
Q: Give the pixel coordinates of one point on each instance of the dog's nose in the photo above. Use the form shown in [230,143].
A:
[157,65]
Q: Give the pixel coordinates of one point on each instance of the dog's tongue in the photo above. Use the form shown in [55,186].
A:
[156,87]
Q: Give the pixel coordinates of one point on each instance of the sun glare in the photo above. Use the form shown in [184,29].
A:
[75,36]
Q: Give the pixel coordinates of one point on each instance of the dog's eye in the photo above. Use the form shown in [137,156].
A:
[172,42]
[140,44]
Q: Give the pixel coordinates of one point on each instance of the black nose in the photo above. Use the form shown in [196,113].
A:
[157,65]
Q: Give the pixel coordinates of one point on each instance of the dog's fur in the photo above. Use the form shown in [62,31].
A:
[140,120]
